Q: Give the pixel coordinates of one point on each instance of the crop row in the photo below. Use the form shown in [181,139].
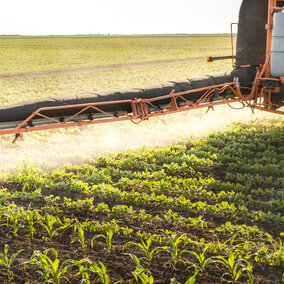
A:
[168,242]
[152,214]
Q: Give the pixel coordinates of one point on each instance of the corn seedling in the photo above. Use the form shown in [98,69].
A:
[100,270]
[278,255]
[141,274]
[51,270]
[234,264]
[86,267]
[14,216]
[174,242]
[5,195]
[83,271]
[249,270]
[107,237]
[32,218]
[6,262]
[145,247]
[202,260]
[81,236]
[48,225]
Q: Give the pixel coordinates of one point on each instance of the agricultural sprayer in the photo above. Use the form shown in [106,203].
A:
[257,82]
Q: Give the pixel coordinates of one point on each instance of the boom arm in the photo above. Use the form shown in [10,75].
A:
[141,109]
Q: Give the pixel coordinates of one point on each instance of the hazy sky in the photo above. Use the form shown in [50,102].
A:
[41,17]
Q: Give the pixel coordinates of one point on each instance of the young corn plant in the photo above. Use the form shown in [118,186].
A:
[202,260]
[51,270]
[141,274]
[107,237]
[86,267]
[235,264]
[277,257]
[15,224]
[145,247]
[31,218]
[6,262]
[174,242]
[81,236]
[83,271]
[14,217]
[5,195]
[249,270]
[48,225]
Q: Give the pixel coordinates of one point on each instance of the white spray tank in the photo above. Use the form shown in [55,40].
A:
[277,46]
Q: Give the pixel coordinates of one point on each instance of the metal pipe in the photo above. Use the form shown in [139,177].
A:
[211,58]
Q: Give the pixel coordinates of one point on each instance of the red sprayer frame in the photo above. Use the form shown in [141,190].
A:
[142,109]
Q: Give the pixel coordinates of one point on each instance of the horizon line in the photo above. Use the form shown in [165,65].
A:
[110,34]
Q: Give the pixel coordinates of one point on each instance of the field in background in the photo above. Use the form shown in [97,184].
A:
[25,55]
[206,202]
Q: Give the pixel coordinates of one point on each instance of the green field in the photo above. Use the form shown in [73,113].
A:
[22,55]
[192,206]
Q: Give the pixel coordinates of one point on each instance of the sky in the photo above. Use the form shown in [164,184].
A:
[60,17]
